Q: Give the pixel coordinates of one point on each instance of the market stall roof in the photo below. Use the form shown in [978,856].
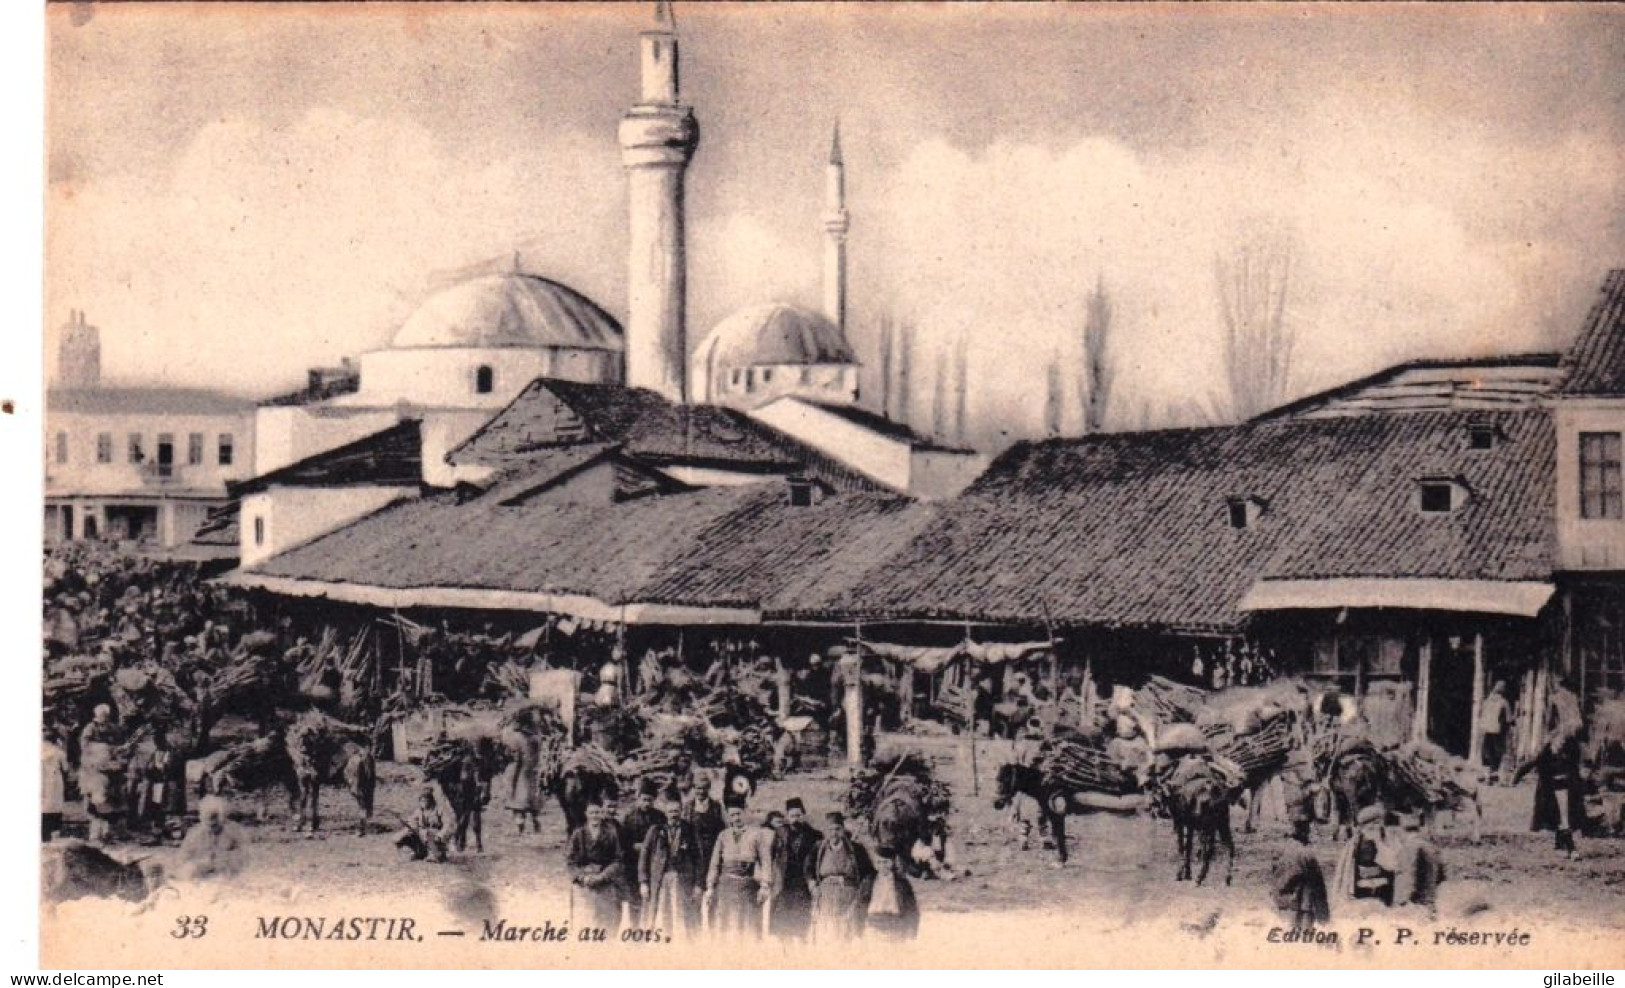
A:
[1518,598]
[930,659]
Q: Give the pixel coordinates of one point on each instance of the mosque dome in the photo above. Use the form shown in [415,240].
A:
[775,334]
[510,310]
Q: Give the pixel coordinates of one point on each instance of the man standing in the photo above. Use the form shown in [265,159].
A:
[794,857]
[706,817]
[595,860]
[53,783]
[635,831]
[1493,719]
[96,754]
[671,873]
[841,867]
[740,878]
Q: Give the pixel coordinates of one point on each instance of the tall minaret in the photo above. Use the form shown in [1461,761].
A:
[658,137]
[836,223]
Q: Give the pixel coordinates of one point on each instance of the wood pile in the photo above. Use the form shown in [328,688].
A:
[1170,702]
[908,776]
[1082,764]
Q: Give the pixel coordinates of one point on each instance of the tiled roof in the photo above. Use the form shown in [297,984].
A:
[647,427]
[1500,383]
[1503,532]
[1596,361]
[390,458]
[741,546]
[145,401]
[1134,529]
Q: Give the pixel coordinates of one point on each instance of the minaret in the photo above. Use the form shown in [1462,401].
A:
[836,223]
[79,355]
[658,137]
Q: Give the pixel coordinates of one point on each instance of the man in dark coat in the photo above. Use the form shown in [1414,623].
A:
[794,857]
[597,861]
[1559,794]
[706,818]
[671,873]
[635,829]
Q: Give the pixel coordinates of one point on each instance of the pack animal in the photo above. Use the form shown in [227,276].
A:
[76,870]
[1197,799]
[1356,780]
[325,751]
[1055,803]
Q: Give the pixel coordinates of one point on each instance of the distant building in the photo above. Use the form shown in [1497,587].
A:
[143,465]
[79,358]
[766,352]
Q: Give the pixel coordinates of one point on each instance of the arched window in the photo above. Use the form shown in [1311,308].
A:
[484,379]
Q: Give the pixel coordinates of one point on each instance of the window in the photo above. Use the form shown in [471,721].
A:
[1238,514]
[194,449]
[1480,437]
[1438,497]
[801,494]
[806,375]
[166,454]
[259,530]
[226,449]
[104,447]
[734,377]
[767,375]
[484,379]
[1600,475]
[62,447]
[750,379]
[136,453]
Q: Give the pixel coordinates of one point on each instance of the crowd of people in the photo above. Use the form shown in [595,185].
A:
[681,862]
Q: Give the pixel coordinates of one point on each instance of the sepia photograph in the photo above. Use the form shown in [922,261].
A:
[830,485]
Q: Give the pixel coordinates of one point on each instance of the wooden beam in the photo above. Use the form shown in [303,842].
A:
[1476,745]
[1424,684]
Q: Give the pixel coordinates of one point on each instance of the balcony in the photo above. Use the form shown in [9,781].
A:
[154,474]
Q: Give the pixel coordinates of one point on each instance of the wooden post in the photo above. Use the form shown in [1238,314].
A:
[852,680]
[1475,746]
[1424,682]
[782,681]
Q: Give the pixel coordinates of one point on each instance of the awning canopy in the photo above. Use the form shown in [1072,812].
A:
[929,660]
[1519,598]
[473,598]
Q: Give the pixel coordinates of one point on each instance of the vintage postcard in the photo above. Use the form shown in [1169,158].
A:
[908,485]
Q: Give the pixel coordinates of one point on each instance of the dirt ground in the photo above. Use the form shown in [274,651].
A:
[1129,862]
[1121,875]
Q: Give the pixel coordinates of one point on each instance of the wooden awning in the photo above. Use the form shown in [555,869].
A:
[1519,598]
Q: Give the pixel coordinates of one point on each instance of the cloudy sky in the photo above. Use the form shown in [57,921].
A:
[238,192]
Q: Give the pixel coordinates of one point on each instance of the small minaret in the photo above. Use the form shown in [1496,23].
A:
[836,225]
[79,355]
[658,137]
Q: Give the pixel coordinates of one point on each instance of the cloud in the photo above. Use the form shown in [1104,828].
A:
[266,249]
[1404,246]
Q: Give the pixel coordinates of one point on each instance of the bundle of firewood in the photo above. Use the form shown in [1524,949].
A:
[507,679]
[908,775]
[1170,702]
[1432,776]
[242,675]
[590,758]
[1261,753]
[1081,764]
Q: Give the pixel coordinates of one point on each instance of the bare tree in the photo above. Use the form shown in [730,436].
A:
[885,389]
[961,387]
[1053,398]
[939,398]
[903,358]
[1095,387]
[1252,285]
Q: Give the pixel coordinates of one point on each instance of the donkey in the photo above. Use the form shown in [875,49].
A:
[1198,801]
[1055,803]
